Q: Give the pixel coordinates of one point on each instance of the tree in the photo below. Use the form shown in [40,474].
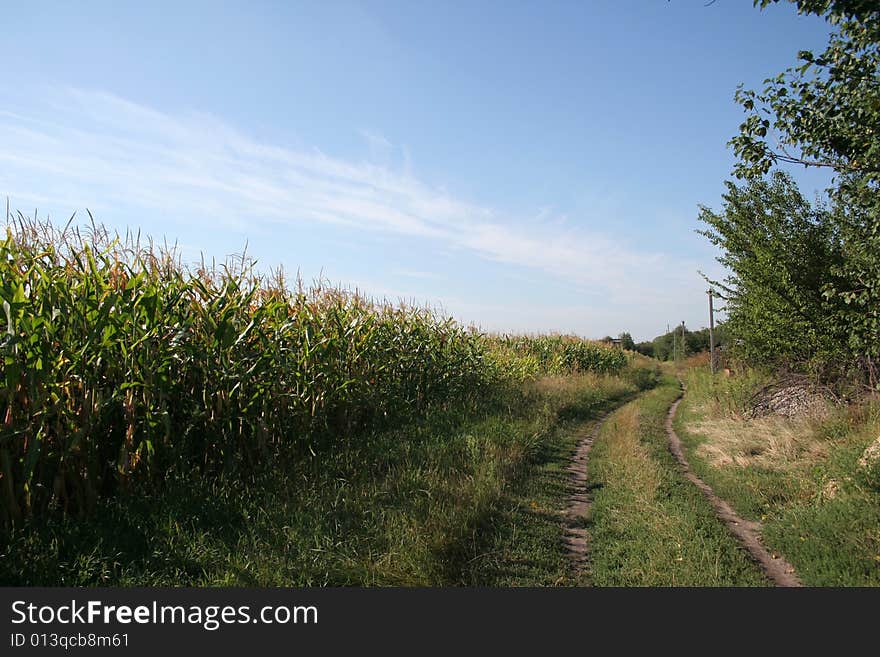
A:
[781,251]
[627,342]
[823,112]
[661,347]
[646,349]
[826,110]
[696,341]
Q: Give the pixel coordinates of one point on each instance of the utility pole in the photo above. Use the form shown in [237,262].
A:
[683,343]
[711,333]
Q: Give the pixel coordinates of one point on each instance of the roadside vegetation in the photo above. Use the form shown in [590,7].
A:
[419,505]
[520,542]
[812,479]
[789,435]
[649,525]
[172,425]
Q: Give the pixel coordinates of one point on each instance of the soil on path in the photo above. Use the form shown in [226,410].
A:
[577,537]
[748,532]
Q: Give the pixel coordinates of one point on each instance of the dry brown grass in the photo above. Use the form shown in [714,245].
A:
[799,476]
[556,384]
[697,360]
[628,457]
[571,387]
[773,442]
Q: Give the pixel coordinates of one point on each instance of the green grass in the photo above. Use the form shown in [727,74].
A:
[439,502]
[818,508]
[649,525]
[520,543]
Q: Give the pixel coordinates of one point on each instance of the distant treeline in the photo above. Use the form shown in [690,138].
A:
[669,345]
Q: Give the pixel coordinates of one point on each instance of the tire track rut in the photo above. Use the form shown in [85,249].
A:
[748,532]
[576,536]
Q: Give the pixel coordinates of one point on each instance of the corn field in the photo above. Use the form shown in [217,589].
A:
[121,365]
[532,356]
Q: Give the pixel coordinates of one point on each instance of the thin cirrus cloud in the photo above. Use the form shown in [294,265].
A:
[96,146]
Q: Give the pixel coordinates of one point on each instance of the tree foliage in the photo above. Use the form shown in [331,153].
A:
[825,111]
[781,251]
[804,288]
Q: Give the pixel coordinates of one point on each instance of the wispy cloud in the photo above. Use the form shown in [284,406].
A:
[94,145]
[381,149]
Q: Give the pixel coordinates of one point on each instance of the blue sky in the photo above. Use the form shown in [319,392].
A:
[526,166]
